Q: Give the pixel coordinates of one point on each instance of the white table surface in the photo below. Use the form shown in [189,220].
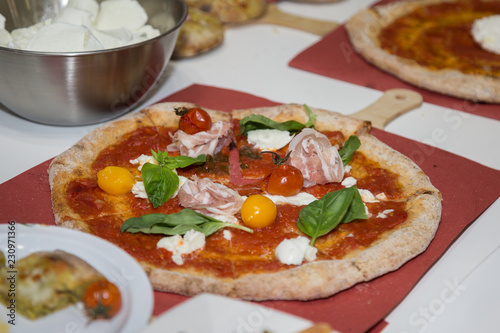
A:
[460,293]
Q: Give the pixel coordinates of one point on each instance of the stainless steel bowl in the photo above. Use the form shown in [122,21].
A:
[85,87]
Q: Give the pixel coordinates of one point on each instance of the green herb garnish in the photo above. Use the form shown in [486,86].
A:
[351,145]
[323,215]
[160,181]
[177,224]
[256,121]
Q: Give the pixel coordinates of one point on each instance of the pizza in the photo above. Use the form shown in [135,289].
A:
[49,281]
[200,33]
[438,45]
[289,202]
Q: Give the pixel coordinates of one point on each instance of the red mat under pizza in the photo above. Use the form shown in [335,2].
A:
[26,198]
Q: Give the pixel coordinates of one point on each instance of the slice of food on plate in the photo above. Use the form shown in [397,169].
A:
[45,282]
[443,46]
[284,202]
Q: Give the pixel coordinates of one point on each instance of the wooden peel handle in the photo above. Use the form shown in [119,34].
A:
[393,103]
[274,15]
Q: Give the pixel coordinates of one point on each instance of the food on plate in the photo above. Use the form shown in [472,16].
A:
[102,300]
[202,215]
[231,11]
[84,25]
[443,46]
[48,281]
[201,32]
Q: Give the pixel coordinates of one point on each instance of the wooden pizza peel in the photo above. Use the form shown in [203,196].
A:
[274,15]
[391,104]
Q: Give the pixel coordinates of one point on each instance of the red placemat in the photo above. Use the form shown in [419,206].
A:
[333,56]
[26,198]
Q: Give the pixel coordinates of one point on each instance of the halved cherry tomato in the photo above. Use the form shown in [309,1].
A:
[102,300]
[285,180]
[258,211]
[193,120]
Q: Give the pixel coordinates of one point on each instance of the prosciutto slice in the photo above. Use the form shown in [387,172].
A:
[208,142]
[313,154]
[210,198]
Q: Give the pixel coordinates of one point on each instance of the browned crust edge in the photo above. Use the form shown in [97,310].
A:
[363,30]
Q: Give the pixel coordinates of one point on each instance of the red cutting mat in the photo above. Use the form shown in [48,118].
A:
[333,56]
[26,198]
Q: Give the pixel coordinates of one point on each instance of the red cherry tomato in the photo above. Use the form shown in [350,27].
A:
[285,180]
[102,300]
[195,120]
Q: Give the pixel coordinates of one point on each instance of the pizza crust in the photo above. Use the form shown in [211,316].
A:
[363,30]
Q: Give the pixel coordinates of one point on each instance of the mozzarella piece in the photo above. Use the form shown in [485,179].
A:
[349,181]
[269,139]
[90,6]
[117,14]
[63,37]
[294,251]
[227,234]
[301,199]
[88,27]
[178,245]
[384,214]
[74,16]
[486,32]
[139,191]
[367,196]
[143,159]
[5,37]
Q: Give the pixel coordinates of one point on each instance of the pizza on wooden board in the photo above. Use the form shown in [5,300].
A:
[288,202]
[447,46]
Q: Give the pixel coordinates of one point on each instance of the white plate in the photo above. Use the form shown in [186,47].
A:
[209,313]
[111,261]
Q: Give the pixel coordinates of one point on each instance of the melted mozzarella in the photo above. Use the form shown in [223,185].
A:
[178,245]
[486,32]
[294,251]
[269,139]
[301,199]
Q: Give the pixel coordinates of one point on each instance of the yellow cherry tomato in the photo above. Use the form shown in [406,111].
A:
[258,211]
[115,180]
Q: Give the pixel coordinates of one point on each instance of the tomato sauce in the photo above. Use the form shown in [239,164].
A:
[438,37]
[243,253]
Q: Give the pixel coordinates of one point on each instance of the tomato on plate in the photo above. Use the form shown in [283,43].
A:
[102,300]
[193,120]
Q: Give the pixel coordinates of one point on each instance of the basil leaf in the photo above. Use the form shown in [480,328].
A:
[312,117]
[183,161]
[174,162]
[356,209]
[176,223]
[160,183]
[323,215]
[185,216]
[351,145]
[211,227]
[256,121]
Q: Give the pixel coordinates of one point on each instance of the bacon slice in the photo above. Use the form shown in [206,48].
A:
[210,198]
[208,142]
[313,154]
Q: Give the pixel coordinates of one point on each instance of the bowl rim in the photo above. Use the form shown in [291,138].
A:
[107,50]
